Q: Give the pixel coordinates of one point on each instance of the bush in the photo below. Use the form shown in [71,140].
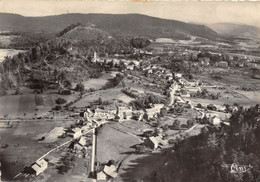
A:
[57,108]
[79,87]
[199,105]
[211,107]
[17,91]
[65,92]
[2,91]
[60,101]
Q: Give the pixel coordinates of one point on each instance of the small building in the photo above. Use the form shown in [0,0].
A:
[110,170]
[151,142]
[152,112]
[124,112]
[39,166]
[204,61]
[101,176]
[103,114]
[75,133]
[82,141]
[130,67]
[223,64]
[215,120]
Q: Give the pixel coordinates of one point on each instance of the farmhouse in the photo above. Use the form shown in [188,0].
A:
[152,112]
[151,142]
[39,166]
[223,64]
[75,133]
[154,142]
[82,141]
[104,113]
[138,115]
[101,176]
[110,170]
[124,112]
[215,120]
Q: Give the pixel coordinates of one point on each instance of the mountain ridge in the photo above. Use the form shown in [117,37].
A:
[233,29]
[117,24]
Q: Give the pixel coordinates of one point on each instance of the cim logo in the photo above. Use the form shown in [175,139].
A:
[235,168]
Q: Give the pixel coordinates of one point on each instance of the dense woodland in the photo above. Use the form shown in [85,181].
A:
[46,54]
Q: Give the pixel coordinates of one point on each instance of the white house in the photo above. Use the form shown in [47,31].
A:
[152,112]
[75,133]
[215,120]
[110,170]
[151,142]
[101,176]
[39,166]
[82,141]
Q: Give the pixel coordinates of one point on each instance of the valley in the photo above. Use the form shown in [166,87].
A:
[88,102]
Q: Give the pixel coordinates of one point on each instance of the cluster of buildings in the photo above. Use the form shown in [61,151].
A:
[119,112]
[128,64]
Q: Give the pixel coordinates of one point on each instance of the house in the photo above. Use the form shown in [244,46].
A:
[124,112]
[152,112]
[223,64]
[104,113]
[110,170]
[151,142]
[215,120]
[138,115]
[234,109]
[39,166]
[154,142]
[130,67]
[204,61]
[241,65]
[197,114]
[78,147]
[75,133]
[82,141]
[101,176]
[150,71]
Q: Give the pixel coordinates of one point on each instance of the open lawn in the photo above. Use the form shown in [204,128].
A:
[98,83]
[30,105]
[113,144]
[23,145]
[109,94]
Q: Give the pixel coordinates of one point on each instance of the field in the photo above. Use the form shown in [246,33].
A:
[23,145]
[8,52]
[29,105]
[98,83]
[115,140]
[109,94]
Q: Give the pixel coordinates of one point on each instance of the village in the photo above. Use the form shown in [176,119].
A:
[163,107]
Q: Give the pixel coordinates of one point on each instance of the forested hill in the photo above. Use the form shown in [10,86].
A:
[208,156]
[120,25]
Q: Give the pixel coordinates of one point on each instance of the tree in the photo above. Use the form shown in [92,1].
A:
[79,87]
[189,123]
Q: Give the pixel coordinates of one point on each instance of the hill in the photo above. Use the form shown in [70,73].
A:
[120,25]
[207,156]
[230,29]
[82,32]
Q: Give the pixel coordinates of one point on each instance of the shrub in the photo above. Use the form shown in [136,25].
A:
[57,108]
[60,101]
[79,87]
[65,92]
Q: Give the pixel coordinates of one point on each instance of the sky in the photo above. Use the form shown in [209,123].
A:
[205,12]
